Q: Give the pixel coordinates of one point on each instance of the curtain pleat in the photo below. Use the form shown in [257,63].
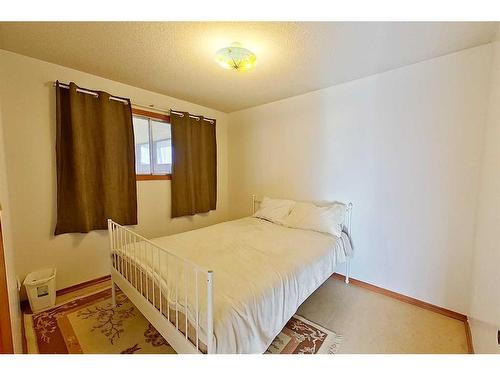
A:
[194,165]
[95,159]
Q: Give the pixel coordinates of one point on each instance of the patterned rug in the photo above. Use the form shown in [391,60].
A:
[89,324]
[301,336]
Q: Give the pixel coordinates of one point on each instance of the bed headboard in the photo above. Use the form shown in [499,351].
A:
[347,220]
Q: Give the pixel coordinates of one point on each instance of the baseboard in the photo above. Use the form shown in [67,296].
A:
[85,284]
[365,285]
[403,298]
[25,306]
[485,336]
[468,335]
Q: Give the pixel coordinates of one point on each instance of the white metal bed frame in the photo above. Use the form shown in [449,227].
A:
[129,276]
[130,279]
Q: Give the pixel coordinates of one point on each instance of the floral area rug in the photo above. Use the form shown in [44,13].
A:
[91,325]
[301,336]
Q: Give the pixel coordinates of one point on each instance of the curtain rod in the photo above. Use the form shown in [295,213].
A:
[83,91]
[169,111]
[118,99]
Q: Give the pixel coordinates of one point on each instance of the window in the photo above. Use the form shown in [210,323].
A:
[153,145]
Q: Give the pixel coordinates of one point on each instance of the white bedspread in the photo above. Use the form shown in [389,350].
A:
[262,273]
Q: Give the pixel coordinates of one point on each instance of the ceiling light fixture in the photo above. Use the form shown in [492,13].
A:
[235,57]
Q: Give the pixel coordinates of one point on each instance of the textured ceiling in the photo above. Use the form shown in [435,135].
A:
[177,58]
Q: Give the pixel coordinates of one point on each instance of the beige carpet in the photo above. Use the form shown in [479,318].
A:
[374,323]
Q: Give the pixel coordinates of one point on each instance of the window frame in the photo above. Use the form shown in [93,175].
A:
[161,118]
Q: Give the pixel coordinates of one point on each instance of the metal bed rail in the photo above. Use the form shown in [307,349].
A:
[173,293]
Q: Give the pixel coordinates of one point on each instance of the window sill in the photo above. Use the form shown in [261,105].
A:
[150,177]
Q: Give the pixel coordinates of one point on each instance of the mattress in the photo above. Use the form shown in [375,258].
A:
[262,273]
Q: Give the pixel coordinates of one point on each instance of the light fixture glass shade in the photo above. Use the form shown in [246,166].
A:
[235,57]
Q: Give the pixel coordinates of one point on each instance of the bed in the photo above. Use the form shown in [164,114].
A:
[226,288]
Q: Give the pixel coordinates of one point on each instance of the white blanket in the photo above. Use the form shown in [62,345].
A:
[262,273]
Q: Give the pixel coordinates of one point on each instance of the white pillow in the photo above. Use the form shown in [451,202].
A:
[274,210]
[327,219]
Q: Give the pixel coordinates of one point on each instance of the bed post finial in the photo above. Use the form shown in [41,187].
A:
[111,251]
[210,313]
[349,216]
[348,260]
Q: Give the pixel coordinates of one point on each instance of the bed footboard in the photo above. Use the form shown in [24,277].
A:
[174,294]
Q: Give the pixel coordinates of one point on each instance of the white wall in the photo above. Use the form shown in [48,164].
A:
[15,311]
[28,120]
[403,146]
[485,308]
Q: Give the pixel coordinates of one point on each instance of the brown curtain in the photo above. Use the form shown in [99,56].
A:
[95,161]
[194,165]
